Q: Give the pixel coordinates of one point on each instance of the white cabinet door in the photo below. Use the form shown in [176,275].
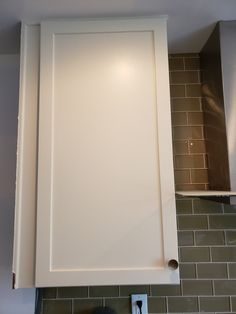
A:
[106,202]
[106,212]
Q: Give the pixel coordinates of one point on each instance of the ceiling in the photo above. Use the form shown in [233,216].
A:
[189,21]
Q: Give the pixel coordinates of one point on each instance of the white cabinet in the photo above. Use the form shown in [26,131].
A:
[103,160]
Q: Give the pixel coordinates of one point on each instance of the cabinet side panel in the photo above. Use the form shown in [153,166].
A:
[228,64]
[25,206]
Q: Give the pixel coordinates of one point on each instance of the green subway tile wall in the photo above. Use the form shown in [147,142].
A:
[206,230]
[190,158]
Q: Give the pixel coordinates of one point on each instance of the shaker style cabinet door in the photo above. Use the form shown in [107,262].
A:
[106,203]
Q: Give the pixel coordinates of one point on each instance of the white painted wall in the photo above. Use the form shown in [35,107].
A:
[19,301]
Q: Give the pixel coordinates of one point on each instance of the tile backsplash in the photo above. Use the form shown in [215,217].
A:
[190,159]
[206,230]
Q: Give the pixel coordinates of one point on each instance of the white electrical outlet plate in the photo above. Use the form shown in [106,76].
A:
[139,297]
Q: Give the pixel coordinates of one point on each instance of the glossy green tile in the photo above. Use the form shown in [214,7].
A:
[225,287]
[73,292]
[201,206]
[195,118]
[184,206]
[214,304]
[197,287]
[180,147]
[194,254]
[197,146]
[156,305]
[209,238]
[187,132]
[187,271]
[223,254]
[192,63]
[179,118]
[166,290]
[57,307]
[85,306]
[177,90]
[182,176]
[222,221]
[186,104]
[183,77]
[230,237]
[190,187]
[187,55]
[185,238]
[193,90]
[134,289]
[192,222]
[189,161]
[182,304]
[176,63]
[120,305]
[229,208]
[233,300]
[49,293]
[211,270]
[199,175]
[104,291]
[232,270]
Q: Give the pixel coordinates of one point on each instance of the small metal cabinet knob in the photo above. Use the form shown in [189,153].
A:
[173,264]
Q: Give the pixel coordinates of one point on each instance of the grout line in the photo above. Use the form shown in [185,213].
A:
[199,76]
[181,70]
[227,269]
[225,241]
[167,305]
[190,175]
[187,113]
[210,255]
[201,246]
[185,90]
[188,83]
[208,222]
[213,287]
[191,97]
[194,237]
[230,304]
[198,303]
[72,306]
[180,56]
[196,271]
[191,168]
